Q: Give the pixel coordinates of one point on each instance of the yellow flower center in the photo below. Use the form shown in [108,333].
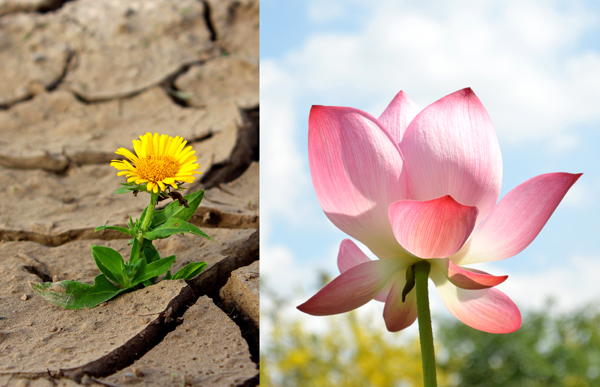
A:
[157,167]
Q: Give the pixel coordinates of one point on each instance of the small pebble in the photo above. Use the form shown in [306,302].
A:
[137,372]
[24,297]
[54,329]
[55,278]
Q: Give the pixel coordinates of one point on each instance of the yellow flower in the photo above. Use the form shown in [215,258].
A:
[159,160]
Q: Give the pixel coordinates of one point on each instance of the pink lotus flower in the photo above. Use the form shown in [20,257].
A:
[418,186]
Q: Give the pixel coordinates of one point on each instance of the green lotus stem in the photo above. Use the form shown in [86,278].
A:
[425,332]
[148,219]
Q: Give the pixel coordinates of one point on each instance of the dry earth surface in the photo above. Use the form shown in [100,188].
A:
[79,79]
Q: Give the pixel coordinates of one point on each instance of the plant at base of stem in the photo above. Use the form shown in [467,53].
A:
[160,160]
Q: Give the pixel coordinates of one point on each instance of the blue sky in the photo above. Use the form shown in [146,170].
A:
[535,65]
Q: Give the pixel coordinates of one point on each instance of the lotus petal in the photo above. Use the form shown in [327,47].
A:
[518,218]
[351,255]
[467,278]
[432,229]
[353,288]
[399,113]
[487,310]
[397,314]
[356,171]
[451,148]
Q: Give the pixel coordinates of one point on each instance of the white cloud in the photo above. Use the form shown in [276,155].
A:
[515,54]
[572,285]
[282,272]
[563,143]
[284,177]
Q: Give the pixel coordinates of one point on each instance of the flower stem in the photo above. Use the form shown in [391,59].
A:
[425,332]
[148,218]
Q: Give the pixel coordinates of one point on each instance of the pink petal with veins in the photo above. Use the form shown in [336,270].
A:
[487,310]
[432,229]
[397,314]
[518,218]
[451,148]
[353,288]
[356,171]
[399,113]
[351,255]
[467,278]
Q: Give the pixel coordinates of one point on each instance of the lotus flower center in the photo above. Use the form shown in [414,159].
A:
[157,167]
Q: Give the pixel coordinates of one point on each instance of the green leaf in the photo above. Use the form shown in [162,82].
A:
[189,271]
[117,228]
[150,251]
[154,269]
[139,223]
[174,226]
[77,295]
[168,275]
[131,186]
[135,251]
[110,263]
[174,210]
[123,190]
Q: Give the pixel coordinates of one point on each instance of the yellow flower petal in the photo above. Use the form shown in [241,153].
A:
[178,150]
[139,149]
[127,153]
[173,146]
[159,160]
[155,144]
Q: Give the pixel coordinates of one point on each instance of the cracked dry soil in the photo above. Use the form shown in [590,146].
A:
[79,79]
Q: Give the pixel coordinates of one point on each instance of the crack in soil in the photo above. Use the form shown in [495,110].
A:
[54,85]
[242,254]
[209,23]
[238,255]
[252,382]
[216,277]
[60,239]
[44,7]
[49,88]
[53,6]
[8,105]
[35,267]
[138,345]
[246,151]
[36,270]
[249,331]
[204,217]
[168,79]
[60,167]
[168,85]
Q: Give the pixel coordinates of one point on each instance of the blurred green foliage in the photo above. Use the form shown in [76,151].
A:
[550,349]
[355,351]
[350,354]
